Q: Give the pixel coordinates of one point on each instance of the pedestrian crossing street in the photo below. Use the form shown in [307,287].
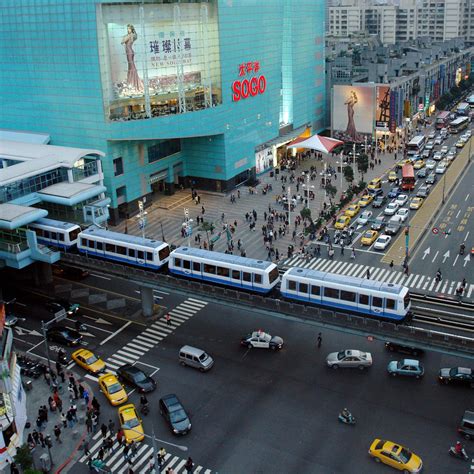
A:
[141,463]
[386,275]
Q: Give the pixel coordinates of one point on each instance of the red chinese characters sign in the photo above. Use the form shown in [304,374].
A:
[250,86]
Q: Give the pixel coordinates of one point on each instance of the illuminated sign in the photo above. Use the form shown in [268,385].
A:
[241,89]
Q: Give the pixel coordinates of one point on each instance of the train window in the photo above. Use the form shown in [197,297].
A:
[209,269]
[164,253]
[187,264]
[54,236]
[177,262]
[99,246]
[140,255]
[316,290]
[73,234]
[377,302]
[47,234]
[149,256]
[348,296]
[331,293]
[221,271]
[84,242]
[390,304]
[121,250]
[196,266]
[303,288]
[292,285]
[109,248]
[38,232]
[131,253]
[273,275]
[235,274]
[246,276]
[364,299]
[257,278]
[61,237]
[91,244]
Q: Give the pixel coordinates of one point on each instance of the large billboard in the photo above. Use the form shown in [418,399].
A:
[352,112]
[382,111]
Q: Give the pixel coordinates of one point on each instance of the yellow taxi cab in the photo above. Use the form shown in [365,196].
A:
[87,360]
[130,423]
[376,183]
[419,164]
[403,162]
[342,222]
[112,389]
[395,455]
[365,200]
[369,237]
[392,176]
[352,210]
[416,203]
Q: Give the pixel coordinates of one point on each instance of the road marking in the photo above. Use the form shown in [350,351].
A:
[426,252]
[436,255]
[21,304]
[446,256]
[100,276]
[467,235]
[459,212]
[455,260]
[115,333]
[467,197]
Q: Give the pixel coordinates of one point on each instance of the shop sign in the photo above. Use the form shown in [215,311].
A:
[393,112]
[243,88]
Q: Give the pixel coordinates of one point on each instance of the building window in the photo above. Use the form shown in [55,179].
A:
[163,149]
[118,166]
[121,194]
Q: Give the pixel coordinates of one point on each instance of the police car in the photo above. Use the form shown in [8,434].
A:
[261,340]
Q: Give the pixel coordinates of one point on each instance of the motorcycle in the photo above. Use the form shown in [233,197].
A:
[461,249]
[337,236]
[80,327]
[461,455]
[350,420]
[144,409]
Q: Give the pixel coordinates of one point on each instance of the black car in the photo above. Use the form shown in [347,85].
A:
[379,201]
[63,335]
[56,306]
[394,347]
[72,273]
[132,375]
[466,427]
[457,375]
[174,413]
[392,228]
[431,179]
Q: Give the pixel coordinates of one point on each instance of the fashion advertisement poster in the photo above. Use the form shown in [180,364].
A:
[382,112]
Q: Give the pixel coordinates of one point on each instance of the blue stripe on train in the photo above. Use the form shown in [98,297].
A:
[345,307]
[54,243]
[221,282]
[120,259]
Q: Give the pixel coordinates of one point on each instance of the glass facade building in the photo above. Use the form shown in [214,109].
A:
[174,93]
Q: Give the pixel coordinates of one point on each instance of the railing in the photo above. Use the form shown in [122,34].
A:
[84,171]
[409,335]
[13,242]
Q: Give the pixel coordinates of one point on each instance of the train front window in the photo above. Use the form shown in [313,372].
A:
[164,253]
[273,275]
[73,234]
[406,300]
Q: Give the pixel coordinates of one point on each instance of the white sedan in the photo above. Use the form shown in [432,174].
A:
[431,164]
[403,214]
[364,217]
[444,150]
[382,242]
[261,340]
[441,168]
[401,199]
[431,135]
[391,209]
[349,358]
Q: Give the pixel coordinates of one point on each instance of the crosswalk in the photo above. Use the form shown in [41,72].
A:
[141,462]
[386,275]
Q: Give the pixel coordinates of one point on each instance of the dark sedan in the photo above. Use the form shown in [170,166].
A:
[394,347]
[394,192]
[63,335]
[457,375]
[173,412]
[131,375]
[58,305]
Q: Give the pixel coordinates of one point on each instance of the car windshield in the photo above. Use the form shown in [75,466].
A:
[368,235]
[139,377]
[178,416]
[341,355]
[404,455]
[132,423]
[90,360]
[115,387]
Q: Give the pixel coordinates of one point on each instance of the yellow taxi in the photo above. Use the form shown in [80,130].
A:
[416,203]
[419,164]
[392,176]
[403,162]
[342,222]
[376,183]
[395,455]
[352,210]
[112,389]
[130,423]
[365,200]
[87,360]
[369,237]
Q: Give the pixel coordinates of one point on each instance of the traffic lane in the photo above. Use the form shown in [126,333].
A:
[262,396]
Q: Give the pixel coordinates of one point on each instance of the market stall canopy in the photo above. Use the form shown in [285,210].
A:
[316,142]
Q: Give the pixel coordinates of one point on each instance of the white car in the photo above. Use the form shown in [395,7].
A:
[401,199]
[391,209]
[261,340]
[364,217]
[382,242]
[438,156]
[431,164]
[349,358]
[403,213]
[429,146]
[441,168]
[432,135]
[438,140]
[444,149]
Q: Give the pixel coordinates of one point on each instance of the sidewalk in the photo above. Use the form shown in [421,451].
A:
[71,437]
[167,223]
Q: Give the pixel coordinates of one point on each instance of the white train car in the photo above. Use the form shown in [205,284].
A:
[259,276]
[343,293]
[131,249]
[59,234]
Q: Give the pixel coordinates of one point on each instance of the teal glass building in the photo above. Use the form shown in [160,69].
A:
[191,93]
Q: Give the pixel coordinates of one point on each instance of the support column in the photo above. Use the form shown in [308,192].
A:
[43,274]
[147,301]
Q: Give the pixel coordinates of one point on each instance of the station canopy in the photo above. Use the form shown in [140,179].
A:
[316,142]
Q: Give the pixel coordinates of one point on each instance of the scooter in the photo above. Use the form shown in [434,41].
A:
[348,421]
[462,455]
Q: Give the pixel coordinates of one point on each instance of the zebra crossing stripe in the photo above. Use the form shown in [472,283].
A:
[158,335]
[133,350]
[407,282]
[471,287]
[144,341]
[201,302]
[415,279]
[123,359]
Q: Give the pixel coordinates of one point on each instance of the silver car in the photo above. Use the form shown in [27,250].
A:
[349,358]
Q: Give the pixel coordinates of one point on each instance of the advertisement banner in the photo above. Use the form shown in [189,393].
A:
[352,112]
[393,111]
[263,160]
[407,109]
[382,112]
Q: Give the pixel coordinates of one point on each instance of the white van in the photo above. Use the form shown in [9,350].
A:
[196,358]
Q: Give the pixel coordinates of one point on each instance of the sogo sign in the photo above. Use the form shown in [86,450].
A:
[241,89]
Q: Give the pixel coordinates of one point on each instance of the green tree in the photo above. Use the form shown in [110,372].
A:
[348,174]
[207,227]
[331,191]
[362,163]
[24,457]
[305,213]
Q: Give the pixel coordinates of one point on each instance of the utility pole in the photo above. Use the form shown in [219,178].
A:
[187,225]
[142,220]
[289,206]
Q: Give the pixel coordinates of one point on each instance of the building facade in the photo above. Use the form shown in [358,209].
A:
[174,93]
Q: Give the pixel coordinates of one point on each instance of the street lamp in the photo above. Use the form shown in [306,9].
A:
[187,226]
[58,316]
[142,217]
[289,206]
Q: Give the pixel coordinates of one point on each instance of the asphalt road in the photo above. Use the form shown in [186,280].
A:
[258,411]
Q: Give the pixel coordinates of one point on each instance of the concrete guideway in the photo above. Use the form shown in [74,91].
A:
[421,221]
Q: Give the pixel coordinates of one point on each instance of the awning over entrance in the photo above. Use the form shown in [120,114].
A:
[317,142]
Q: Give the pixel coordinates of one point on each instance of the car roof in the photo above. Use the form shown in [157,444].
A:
[128,411]
[411,362]
[83,352]
[108,378]
[170,399]
[464,370]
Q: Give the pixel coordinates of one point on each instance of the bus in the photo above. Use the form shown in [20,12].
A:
[442,121]
[470,101]
[416,145]
[408,177]
[458,125]
[463,109]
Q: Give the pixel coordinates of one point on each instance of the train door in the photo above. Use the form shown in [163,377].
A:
[377,305]
[197,269]
[303,291]
[236,278]
[364,303]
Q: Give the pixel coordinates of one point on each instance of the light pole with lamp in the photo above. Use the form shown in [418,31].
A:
[58,316]
[142,217]
[187,225]
[289,206]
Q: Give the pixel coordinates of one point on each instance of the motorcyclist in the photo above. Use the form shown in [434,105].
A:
[143,401]
[462,248]
[346,414]
[458,447]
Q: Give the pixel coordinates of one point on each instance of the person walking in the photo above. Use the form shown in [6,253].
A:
[64,420]
[168,319]
[111,427]
[57,433]
[103,429]
[89,424]
[319,340]
[189,465]
[391,265]
[161,456]
[353,254]
[85,447]
[368,274]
